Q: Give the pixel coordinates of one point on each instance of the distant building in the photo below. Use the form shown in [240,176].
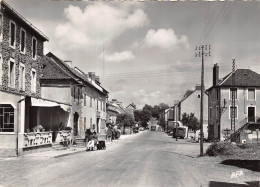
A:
[247,92]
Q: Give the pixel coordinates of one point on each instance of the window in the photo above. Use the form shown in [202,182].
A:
[22,40]
[85,121]
[12,34]
[78,94]
[33,80]
[6,118]
[230,93]
[11,74]
[90,103]
[1,66]
[90,122]
[97,105]
[34,48]
[217,112]
[1,27]
[74,93]
[85,101]
[230,112]
[104,107]
[210,112]
[251,94]
[21,76]
[101,106]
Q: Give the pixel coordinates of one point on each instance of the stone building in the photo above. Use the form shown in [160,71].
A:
[63,83]
[21,52]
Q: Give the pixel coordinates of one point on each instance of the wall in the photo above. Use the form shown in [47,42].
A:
[242,103]
[59,94]
[25,59]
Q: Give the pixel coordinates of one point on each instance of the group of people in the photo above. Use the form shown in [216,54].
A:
[90,136]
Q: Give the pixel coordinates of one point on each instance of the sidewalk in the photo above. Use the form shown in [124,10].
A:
[73,150]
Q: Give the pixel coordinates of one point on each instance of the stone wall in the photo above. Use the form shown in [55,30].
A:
[8,52]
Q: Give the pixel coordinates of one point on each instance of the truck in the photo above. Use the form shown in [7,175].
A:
[180,127]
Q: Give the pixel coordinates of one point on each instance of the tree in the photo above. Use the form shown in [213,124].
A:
[124,120]
[156,112]
[191,121]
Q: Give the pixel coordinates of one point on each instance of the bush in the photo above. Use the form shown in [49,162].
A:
[248,146]
[220,148]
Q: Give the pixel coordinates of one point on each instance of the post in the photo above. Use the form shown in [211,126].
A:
[202,48]
[201,103]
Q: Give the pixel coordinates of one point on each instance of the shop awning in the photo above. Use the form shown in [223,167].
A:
[46,103]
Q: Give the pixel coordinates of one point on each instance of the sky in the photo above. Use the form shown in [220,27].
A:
[144,52]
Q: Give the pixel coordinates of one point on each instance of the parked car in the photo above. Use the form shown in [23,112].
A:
[180,133]
[141,129]
[153,128]
[136,130]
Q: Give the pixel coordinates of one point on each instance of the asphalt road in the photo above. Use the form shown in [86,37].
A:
[148,159]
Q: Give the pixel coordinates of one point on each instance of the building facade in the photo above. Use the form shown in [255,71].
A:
[247,93]
[83,92]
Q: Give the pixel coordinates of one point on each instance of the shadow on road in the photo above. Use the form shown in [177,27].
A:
[253,165]
[225,184]
[179,154]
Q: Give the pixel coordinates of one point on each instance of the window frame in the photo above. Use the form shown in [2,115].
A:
[22,85]
[217,112]
[248,94]
[11,84]
[1,27]
[22,51]
[10,33]
[33,81]
[3,116]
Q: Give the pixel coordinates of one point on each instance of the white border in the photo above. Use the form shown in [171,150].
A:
[23,83]
[254,106]
[34,58]
[9,65]
[33,89]
[248,94]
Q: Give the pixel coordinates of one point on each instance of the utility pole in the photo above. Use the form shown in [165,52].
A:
[201,54]
[233,99]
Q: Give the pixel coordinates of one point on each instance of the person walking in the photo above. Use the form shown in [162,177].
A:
[88,133]
[109,133]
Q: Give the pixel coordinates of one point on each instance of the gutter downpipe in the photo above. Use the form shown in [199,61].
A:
[18,119]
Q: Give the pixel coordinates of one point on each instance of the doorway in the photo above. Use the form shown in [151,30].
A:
[75,123]
[251,114]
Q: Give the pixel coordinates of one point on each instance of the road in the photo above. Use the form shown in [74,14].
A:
[148,159]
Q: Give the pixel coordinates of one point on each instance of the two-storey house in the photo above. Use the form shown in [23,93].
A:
[63,83]
[247,91]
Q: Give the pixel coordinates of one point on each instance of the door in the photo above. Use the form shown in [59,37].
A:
[251,114]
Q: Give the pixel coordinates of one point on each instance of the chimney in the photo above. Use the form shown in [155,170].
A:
[198,87]
[97,80]
[68,62]
[92,75]
[215,74]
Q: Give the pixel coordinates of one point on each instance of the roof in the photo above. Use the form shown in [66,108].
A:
[74,73]
[51,70]
[243,78]
[20,17]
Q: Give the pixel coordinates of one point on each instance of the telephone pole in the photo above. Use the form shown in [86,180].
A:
[201,53]
[233,99]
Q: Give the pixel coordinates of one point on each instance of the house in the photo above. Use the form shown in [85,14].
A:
[191,103]
[63,83]
[21,56]
[247,93]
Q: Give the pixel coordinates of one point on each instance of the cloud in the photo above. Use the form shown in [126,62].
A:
[97,24]
[163,38]
[119,56]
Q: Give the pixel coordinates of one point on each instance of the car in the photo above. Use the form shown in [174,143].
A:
[141,129]
[136,130]
[153,128]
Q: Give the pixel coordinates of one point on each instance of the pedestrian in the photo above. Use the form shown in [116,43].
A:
[109,133]
[88,133]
